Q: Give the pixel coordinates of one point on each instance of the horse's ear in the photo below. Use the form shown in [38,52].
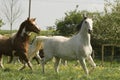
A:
[28,18]
[34,19]
[84,16]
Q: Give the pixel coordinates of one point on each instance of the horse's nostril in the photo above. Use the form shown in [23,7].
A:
[89,31]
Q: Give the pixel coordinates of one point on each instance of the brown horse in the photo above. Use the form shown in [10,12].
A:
[5,47]
[19,43]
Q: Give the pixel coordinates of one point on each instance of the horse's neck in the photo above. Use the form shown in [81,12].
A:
[84,37]
[22,33]
[24,37]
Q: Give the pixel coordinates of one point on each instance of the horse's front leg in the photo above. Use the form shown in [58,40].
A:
[1,65]
[28,62]
[83,64]
[23,57]
[57,60]
[29,65]
[25,64]
[90,60]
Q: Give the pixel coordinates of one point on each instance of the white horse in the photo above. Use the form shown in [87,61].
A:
[77,47]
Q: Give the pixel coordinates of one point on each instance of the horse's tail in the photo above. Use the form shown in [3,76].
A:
[40,40]
[37,45]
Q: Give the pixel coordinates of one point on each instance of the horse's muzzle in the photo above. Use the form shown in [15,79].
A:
[90,31]
[38,31]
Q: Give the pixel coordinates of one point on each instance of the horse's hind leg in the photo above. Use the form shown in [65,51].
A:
[44,60]
[90,60]
[43,65]
[11,56]
[1,65]
[37,58]
[83,64]
[56,64]
[64,62]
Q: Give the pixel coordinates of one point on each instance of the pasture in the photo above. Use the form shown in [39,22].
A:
[68,72]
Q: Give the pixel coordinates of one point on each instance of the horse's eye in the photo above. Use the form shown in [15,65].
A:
[85,21]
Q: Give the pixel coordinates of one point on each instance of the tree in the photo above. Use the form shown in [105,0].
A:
[107,26]
[67,26]
[1,23]
[11,10]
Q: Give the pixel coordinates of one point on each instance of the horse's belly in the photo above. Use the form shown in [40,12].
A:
[67,56]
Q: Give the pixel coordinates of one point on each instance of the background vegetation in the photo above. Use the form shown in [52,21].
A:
[106,31]
[68,72]
[106,28]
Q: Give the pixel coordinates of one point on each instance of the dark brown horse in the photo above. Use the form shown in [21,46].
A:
[19,43]
[5,47]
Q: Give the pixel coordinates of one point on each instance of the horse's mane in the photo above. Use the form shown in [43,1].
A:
[80,25]
[22,25]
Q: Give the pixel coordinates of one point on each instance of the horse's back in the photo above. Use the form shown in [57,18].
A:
[5,45]
[63,47]
[55,40]
[60,38]
[4,40]
[59,46]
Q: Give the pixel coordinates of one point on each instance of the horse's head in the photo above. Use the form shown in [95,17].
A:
[31,25]
[28,26]
[89,25]
[86,23]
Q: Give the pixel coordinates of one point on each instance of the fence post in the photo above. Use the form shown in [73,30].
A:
[102,54]
[112,56]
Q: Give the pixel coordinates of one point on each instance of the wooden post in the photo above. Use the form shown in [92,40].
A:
[112,56]
[102,54]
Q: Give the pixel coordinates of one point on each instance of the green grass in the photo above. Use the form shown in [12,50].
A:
[69,72]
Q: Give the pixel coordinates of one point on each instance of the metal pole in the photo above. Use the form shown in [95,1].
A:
[29,8]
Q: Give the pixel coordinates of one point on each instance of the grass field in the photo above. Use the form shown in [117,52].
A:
[69,72]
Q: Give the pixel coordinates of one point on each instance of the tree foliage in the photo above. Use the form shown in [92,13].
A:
[11,9]
[1,23]
[107,26]
[67,26]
